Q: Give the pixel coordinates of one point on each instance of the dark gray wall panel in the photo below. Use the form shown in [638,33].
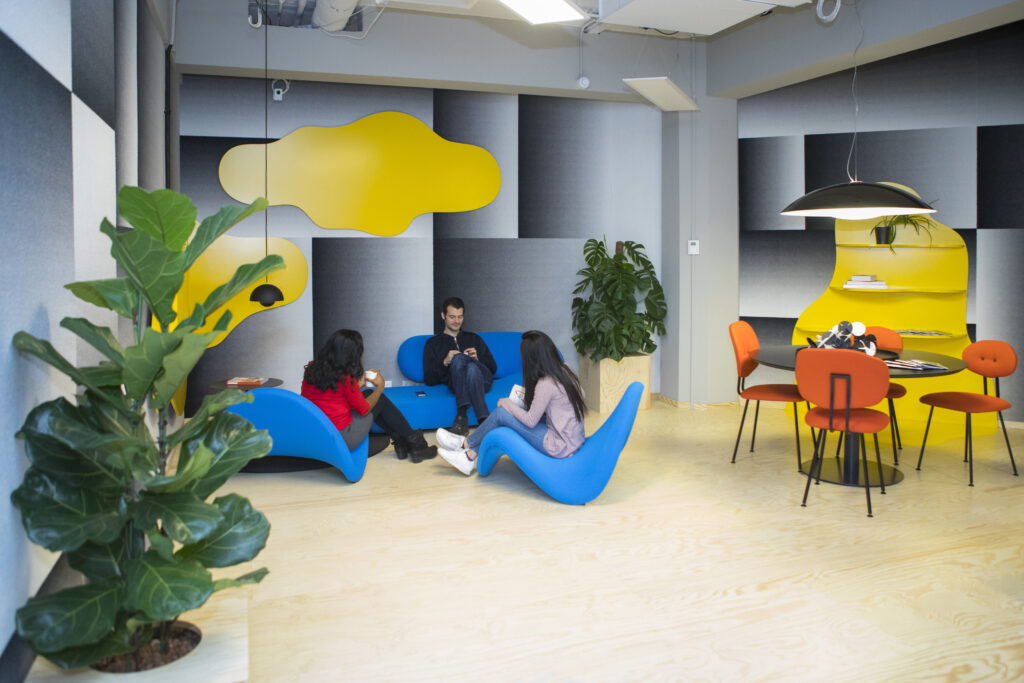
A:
[489,121]
[380,287]
[1000,176]
[771,176]
[588,169]
[92,55]
[782,273]
[1000,282]
[971,81]
[511,284]
[200,161]
[939,164]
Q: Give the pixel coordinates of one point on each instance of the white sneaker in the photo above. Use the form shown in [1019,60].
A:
[458,460]
[450,441]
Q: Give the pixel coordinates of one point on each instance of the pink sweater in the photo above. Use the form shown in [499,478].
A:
[565,433]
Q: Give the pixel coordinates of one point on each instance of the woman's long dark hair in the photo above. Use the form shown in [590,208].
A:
[540,359]
[341,356]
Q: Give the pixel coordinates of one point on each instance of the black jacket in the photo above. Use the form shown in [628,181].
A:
[438,346]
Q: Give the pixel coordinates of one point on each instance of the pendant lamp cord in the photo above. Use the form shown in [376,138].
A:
[856,104]
[266,135]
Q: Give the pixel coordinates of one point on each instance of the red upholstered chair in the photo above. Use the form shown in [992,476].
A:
[745,345]
[842,383]
[987,358]
[890,340]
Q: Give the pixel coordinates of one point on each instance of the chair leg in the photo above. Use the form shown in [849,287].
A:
[815,459]
[839,446]
[896,424]
[1008,449]
[757,411]
[967,436]
[924,440]
[970,450]
[814,435]
[743,419]
[892,434]
[864,471]
[822,434]
[796,428]
[878,460]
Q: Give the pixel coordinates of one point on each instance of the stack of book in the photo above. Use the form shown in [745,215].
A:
[864,282]
[246,381]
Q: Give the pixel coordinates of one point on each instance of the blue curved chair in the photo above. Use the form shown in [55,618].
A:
[579,478]
[300,429]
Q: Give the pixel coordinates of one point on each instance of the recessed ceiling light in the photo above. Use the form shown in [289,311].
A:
[545,11]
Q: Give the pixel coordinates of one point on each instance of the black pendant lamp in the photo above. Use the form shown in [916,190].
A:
[857,201]
[266,294]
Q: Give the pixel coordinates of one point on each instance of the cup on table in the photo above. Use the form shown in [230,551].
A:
[368,378]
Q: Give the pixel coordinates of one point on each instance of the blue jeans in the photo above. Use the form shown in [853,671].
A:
[469,380]
[502,418]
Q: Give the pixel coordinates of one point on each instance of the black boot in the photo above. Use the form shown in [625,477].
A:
[418,449]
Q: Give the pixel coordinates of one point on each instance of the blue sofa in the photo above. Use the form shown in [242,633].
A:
[432,407]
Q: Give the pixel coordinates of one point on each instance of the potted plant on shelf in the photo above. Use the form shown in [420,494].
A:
[129,503]
[619,307]
[887,226]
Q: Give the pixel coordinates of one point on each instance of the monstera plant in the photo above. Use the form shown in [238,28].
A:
[128,503]
[620,303]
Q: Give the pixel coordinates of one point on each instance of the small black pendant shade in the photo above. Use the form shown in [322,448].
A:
[266,294]
[857,201]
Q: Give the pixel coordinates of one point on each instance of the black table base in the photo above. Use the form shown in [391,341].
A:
[832,473]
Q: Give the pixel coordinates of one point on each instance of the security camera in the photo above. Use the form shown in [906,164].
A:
[278,94]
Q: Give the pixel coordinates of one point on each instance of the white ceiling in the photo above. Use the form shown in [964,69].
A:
[680,17]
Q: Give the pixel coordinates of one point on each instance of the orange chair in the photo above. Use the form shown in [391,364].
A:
[745,345]
[890,340]
[988,358]
[842,383]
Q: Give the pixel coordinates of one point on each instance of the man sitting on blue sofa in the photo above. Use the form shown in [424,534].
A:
[461,360]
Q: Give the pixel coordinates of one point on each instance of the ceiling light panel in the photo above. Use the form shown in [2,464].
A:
[545,11]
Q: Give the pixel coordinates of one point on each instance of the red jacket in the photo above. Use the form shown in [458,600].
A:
[339,403]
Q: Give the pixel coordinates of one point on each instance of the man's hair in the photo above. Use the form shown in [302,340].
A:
[453,302]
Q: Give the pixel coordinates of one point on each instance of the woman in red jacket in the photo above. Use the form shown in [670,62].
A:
[333,381]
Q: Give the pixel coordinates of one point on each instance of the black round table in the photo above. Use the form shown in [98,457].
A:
[847,471]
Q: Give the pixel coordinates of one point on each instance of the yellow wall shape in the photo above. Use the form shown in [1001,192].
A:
[375,175]
[927,290]
[218,263]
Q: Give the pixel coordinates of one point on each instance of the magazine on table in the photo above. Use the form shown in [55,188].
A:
[518,396]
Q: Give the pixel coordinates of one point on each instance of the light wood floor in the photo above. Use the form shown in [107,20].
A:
[685,568]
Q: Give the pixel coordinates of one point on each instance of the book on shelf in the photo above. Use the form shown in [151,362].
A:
[246,381]
[865,284]
[862,278]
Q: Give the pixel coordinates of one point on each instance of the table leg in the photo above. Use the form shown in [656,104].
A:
[847,472]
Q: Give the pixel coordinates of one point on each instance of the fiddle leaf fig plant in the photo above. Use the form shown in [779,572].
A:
[620,304]
[130,504]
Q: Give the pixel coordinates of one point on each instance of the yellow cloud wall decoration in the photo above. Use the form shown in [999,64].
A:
[374,175]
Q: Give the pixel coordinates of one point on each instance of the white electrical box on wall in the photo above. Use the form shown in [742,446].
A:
[693,246]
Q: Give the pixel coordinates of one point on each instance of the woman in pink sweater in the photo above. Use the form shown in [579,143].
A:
[552,421]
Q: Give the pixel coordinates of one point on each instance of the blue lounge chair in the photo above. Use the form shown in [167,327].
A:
[301,429]
[579,478]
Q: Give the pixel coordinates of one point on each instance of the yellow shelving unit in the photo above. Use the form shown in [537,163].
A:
[926,274]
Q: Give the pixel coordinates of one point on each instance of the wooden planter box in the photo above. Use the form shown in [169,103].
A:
[605,382]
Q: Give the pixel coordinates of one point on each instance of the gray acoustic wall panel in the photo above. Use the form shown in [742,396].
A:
[92,55]
[1000,282]
[511,284]
[771,176]
[241,107]
[1000,174]
[971,81]
[380,287]
[490,121]
[782,273]
[36,191]
[588,169]
[939,164]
